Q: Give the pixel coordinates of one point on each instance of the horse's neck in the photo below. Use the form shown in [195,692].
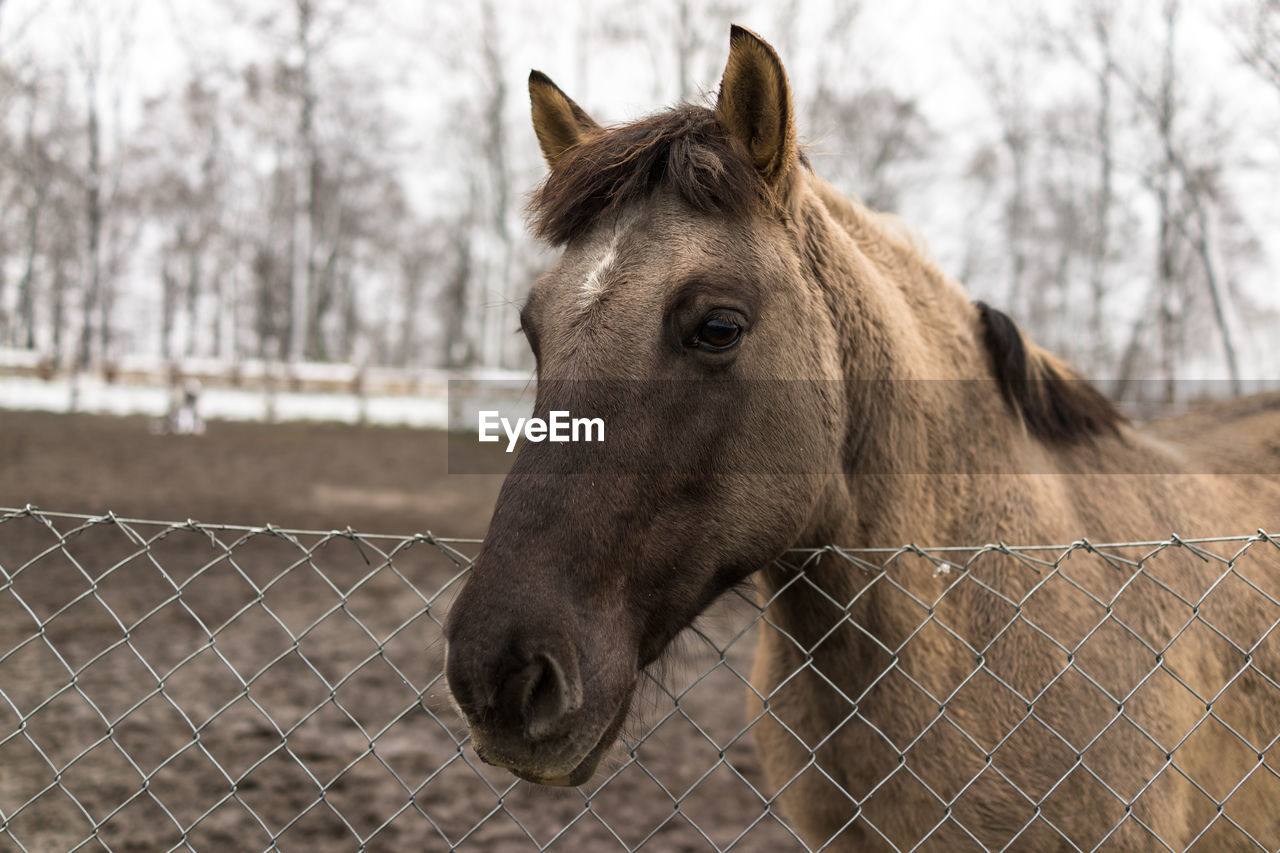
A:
[912,351]
[930,313]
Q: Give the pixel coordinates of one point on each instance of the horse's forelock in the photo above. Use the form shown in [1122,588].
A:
[683,148]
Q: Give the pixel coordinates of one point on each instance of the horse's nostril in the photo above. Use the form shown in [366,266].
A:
[549,694]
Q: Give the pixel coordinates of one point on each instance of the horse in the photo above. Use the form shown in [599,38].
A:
[780,367]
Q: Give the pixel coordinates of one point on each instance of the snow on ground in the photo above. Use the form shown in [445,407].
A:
[437,406]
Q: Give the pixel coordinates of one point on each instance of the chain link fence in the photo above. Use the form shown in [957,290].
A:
[205,687]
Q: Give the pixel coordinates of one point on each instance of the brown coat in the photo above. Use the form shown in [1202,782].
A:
[779,367]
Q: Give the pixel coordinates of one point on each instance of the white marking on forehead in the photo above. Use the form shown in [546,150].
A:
[593,285]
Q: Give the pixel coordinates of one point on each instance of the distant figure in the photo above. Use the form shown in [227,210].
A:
[184,417]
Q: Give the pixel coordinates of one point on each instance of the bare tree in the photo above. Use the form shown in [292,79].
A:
[179,151]
[874,135]
[495,163]
[1092,49]
[41,194]
[1185,180]
[301,82]
[1254,27]
[1003,76]
[102,42]
[94,213]
[480,287]
[1101,21]
[1067,171]
[271,185]
[307,166]
[684,39]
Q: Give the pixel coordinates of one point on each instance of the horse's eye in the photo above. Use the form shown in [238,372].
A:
[718,333]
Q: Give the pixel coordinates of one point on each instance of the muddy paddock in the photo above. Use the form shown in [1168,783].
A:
[212,687]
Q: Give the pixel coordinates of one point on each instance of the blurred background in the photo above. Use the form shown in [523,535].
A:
[341,182]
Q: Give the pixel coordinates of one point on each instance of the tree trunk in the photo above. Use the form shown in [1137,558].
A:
[93,223]
[1098,284]
[1165,108]
[1166,316]
[304,193]
[496,278]
[26,329]
[1204,252]
[58,312]
[459,348]
[168,306]
[192,298]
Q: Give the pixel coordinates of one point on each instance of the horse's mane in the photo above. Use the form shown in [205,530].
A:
[687,150]
[1055,403]
[1053,400]
[684,148]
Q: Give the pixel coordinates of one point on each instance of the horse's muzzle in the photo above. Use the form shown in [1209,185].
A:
[521,694]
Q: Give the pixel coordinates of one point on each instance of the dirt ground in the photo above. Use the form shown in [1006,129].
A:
[263,691]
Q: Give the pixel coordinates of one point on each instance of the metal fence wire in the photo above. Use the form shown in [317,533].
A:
[204,687]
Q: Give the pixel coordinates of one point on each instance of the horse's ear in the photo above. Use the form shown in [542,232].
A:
[754,105]
[558,122]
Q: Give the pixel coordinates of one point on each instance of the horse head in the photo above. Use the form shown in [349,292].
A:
[682,312]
